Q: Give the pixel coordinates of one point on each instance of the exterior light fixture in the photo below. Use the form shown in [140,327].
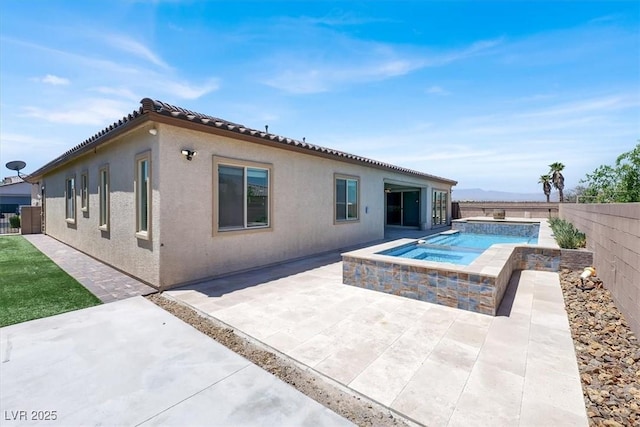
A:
[188,154]
[153,131]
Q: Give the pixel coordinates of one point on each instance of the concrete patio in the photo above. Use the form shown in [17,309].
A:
[436,365]
[130,363]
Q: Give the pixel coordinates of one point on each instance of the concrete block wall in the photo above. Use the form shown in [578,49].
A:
[512,209]
[613,234]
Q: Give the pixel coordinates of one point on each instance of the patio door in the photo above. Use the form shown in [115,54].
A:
[411,208]
[403,208]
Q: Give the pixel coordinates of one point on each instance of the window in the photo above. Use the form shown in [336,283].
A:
[103,197]
[439,210]
[143,195]
[346,198]
[70,199]
[243,195]
[84,192]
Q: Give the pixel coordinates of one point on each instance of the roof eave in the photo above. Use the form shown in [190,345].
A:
[88,145]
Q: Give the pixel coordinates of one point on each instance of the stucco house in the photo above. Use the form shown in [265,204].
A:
[14,192]
[172,196]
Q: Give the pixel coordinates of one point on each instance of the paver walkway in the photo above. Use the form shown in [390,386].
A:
[437,365]
[103,281]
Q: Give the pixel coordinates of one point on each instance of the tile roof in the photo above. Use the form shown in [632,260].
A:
[149,106]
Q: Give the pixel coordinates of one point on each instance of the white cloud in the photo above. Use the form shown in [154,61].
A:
[596,104]
[108,71]
[136,48]
[92,111]
[187,90]
[119,92]
[53,80]
[76,59]
[437,90]
[355,62]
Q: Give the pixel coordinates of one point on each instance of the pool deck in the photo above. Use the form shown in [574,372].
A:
[433,365]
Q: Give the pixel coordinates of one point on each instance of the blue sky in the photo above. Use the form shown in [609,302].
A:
[486,93]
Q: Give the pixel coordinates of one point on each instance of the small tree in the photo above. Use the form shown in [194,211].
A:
[616,184]
[574,193]
[545,180]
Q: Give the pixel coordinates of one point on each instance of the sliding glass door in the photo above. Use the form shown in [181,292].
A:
[403,208]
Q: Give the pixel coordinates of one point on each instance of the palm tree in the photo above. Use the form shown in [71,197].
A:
[557,179]
[545,180]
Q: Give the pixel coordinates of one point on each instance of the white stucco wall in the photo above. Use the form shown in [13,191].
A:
[119,246]
[302,207]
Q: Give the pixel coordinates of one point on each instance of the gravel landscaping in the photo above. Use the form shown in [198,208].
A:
[608,353]
[608,356]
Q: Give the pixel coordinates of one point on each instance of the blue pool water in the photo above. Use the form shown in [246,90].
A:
[456,248]
[435,253]
[478,241]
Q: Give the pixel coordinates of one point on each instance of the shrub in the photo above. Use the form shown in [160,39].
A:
[566,235]
[15,221]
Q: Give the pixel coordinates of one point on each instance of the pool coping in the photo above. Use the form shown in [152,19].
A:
[478,287]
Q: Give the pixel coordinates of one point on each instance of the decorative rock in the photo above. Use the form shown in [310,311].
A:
[608,354]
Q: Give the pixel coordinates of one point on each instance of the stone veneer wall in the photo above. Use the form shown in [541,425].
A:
[473,292]
[539,259]
[507,229]
[480,293]
[576,259]
[613,234]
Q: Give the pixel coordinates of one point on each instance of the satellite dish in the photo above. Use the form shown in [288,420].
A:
[16,165]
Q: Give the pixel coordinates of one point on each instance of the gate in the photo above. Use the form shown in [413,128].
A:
[7,223]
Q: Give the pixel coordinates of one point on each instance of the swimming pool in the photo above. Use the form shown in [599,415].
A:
[461,256]
[456,248]
[443,275]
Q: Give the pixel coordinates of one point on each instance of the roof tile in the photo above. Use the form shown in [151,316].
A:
[148,105]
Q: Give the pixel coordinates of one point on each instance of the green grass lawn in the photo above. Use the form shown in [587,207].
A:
[32,286]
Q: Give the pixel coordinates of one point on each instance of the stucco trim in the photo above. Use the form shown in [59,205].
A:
[69,220]
[221,160]
[84,192]
[337,221]
[145,155]
[105,226]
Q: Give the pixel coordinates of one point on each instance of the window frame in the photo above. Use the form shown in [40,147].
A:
[104,191]
[72,199]
[84,191]
[141,157]
[438,208]
[245,165]
[345,178]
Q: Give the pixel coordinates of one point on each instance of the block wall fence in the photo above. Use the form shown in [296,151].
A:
[512,209]
[613,234]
